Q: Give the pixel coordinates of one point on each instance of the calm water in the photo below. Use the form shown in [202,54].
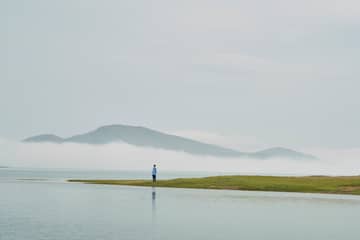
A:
[46,207]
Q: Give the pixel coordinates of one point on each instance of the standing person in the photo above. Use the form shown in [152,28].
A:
[154,172]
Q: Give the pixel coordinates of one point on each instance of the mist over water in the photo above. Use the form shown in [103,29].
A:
[120,156]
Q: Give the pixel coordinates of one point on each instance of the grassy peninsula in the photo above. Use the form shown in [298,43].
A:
[309,184]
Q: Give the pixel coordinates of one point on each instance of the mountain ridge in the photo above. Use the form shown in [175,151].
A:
[146,137]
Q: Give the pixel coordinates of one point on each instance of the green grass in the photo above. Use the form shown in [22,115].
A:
[310,184]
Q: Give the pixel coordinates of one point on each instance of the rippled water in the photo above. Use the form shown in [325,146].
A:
[46,207]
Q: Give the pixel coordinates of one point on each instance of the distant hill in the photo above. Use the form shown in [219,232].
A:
[281,153]
[45,138]
[145,137]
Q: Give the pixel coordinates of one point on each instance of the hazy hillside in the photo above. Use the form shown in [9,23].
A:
[45,138]
[281,153]
[145,137]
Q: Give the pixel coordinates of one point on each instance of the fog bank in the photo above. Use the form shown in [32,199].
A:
[126,157]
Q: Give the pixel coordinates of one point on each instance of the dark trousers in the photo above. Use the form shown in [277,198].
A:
[154,178]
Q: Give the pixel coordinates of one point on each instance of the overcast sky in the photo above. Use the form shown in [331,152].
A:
[281,72]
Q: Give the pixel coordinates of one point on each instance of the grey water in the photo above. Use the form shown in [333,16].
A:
[40,204]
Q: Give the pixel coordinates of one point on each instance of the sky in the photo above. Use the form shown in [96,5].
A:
[262,73]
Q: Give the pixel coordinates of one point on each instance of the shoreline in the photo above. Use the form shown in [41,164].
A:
[309,184]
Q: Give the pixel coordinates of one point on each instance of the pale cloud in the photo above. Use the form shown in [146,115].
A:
[126,157]
[241,143]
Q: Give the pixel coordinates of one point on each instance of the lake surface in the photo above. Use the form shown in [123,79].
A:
[39,204]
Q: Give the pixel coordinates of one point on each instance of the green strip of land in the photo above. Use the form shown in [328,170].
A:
[310,184]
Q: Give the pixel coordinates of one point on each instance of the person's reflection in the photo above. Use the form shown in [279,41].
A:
[153,201]
[153,195]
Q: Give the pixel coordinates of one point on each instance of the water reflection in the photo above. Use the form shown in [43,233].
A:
[153,197]
[153,202]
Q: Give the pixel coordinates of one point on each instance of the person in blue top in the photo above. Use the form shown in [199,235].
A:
[154,172]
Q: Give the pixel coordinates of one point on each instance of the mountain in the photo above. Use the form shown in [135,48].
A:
[280,152]
[45,138]
[145,137]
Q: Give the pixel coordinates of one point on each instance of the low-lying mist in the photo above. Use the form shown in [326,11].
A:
[121,156]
